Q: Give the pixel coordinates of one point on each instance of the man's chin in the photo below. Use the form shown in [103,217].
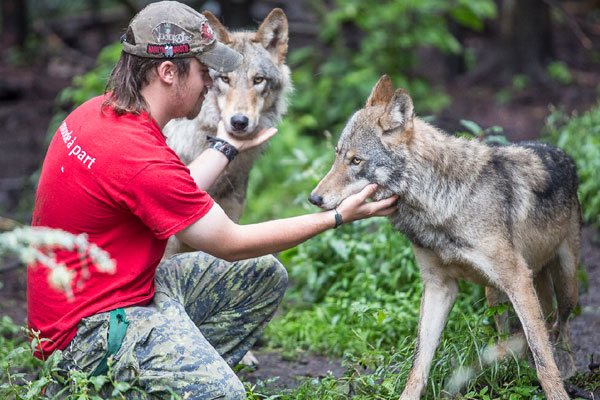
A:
[193,114]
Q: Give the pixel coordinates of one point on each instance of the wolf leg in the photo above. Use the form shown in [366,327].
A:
[494,298]
[545,291]
[438,297]
[521,292]
[564,273]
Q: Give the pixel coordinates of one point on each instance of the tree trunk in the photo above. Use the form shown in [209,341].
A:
[526,38]
[237,13]
[14,23]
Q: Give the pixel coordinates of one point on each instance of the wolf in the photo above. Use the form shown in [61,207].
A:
[506,217]
[251,98]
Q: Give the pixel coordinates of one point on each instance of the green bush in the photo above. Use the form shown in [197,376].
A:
[85,87]
[579,136]
[361,40]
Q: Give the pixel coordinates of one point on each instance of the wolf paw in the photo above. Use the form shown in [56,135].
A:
[249,359]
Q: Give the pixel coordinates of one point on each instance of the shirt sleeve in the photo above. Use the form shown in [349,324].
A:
[166,198]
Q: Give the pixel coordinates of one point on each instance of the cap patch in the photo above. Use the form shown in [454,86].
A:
[168,50]
[167,32]
[207,33]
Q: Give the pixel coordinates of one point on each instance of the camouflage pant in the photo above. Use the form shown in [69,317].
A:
[205,315]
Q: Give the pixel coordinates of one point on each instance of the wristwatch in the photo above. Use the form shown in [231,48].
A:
[222,146]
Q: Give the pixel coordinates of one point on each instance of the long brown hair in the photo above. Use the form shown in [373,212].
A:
[130,75]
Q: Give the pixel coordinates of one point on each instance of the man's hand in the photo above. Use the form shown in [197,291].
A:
[356,206]
[242,145]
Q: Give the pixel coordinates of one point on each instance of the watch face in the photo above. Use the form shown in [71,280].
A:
[226,148]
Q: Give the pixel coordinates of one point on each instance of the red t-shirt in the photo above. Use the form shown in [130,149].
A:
[115,178]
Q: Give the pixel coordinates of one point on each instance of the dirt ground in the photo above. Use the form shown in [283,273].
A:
[27,103]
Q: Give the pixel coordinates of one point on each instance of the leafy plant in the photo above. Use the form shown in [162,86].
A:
[491,135]
[366,39]
[579,136]
[559,72]
[86,86]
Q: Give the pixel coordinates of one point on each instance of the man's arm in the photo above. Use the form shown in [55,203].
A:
[216,234]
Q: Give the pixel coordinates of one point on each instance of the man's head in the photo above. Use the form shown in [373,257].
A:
[164,32]
[170,30]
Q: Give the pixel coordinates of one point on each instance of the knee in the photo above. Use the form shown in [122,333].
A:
[276,271]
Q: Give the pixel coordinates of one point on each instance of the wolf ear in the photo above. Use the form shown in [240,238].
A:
[382,92]
[398,111]
[217,27]
[273,34]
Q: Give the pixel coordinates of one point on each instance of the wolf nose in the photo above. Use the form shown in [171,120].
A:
[239,122]
[315,199]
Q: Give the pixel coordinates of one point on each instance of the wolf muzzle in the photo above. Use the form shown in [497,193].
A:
[316,200]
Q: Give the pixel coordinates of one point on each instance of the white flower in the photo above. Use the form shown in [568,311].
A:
[61,278]
[26,242]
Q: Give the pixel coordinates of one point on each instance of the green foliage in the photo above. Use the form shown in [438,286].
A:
[86,86]
[559,72]
[491,135]
[351,290]
[24,377]
[364,40]
[579,136]
[519,83]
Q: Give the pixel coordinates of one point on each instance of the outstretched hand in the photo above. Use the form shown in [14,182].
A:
[356,206]
[242,145]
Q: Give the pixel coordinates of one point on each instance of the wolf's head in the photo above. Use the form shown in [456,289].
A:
[251,97]
[371,149]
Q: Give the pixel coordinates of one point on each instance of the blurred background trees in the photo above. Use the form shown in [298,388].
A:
[496,62]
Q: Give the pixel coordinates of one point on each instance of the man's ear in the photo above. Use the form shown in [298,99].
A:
[382,92]
[273,34]
[166,72]
[217,27]
[398,111]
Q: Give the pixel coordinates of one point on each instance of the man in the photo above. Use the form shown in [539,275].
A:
[179,325]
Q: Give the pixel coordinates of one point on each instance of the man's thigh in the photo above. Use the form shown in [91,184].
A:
[230,302]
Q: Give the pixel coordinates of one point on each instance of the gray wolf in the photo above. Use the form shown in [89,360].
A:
[506,217]
[248,99]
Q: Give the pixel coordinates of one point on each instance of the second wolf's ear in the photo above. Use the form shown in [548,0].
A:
[273,34]
[382,92]
[398,112]
[217,27]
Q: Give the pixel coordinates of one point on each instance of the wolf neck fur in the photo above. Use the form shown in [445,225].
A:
[453,164]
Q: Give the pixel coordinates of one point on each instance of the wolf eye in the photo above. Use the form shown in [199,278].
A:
[258,80]
[225,79]
[355,161]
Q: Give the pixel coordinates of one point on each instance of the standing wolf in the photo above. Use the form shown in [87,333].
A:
[248,99]
[504,217]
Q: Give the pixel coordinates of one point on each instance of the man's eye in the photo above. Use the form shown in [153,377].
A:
[355,161]
[225,79]
[258,80]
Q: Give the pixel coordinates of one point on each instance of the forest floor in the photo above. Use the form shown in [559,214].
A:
[27,103]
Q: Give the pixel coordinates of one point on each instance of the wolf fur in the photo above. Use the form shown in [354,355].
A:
[506,217]
[248,99]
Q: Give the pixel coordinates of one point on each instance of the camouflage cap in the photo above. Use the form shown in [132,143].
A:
[169,29]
